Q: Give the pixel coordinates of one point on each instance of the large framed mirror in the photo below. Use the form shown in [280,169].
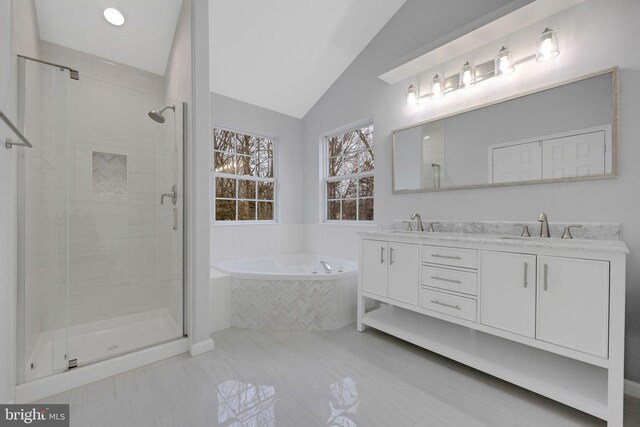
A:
[565,132]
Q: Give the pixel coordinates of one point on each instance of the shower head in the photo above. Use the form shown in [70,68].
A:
[157,116]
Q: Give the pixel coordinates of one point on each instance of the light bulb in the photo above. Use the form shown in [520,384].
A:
[113,16]
[467,76]
[547,46]
[437,87]
[412,96]
[504,62]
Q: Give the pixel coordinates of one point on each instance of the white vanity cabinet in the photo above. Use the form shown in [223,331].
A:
[573,304]
[508,294]
[373,264]
[567,305]
[391,269]
[545,314]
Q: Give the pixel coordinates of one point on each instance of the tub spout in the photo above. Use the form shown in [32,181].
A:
[327,267]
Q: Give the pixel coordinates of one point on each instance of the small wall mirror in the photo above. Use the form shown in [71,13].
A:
[563,133]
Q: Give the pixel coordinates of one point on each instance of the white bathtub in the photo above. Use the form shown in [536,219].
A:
[288,267]
[291,292]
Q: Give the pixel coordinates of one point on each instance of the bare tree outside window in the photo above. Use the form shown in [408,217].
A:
[244,182]
[349,175]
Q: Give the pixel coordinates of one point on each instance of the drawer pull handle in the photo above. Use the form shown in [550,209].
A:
[435,301]
[546,271]
[381,254]
[446,256]
[526,273]
[446,280]
[391,256]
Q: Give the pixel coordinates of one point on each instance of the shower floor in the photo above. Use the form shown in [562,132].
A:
[98,340]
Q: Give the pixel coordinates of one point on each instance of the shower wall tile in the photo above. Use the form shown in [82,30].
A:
[109,173]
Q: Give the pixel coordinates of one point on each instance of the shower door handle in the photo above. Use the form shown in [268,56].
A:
[173,195]
[175,218]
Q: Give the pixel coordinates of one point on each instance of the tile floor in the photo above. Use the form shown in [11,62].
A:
[336,378]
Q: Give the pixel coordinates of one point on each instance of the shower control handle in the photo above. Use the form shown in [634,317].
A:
[173,195]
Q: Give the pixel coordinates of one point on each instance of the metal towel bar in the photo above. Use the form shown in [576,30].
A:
[9,142]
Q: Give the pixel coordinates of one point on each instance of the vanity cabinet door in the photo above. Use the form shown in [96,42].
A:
[508,292]
[374,266]
[573,304]
[404,272]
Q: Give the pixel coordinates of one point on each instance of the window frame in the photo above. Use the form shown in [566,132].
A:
[213,175]
[325,178]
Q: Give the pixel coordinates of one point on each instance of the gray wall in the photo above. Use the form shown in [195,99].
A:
[232,241]
[359,94]
[7,218]
[17,13]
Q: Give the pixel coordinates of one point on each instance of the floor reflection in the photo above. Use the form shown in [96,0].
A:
[343,403]
[243,404]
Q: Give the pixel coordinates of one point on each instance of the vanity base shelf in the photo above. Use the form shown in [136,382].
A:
[574,383]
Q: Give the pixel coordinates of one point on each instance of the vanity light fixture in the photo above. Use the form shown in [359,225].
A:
[113,16]
[437,87]
[412,96]
[467,76]
[547,45]
[504,62]
[470,73]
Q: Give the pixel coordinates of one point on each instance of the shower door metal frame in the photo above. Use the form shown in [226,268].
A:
[185,204]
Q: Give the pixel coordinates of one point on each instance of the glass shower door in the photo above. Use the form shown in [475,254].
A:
[125,242]
[43,220]
[103,251]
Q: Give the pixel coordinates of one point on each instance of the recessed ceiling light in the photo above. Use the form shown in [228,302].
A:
[114,16]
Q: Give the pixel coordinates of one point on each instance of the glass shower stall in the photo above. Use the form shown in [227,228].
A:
[100,217]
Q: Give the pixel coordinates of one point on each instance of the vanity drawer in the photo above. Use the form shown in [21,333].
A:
[450,280]
[456,257]
[464,308]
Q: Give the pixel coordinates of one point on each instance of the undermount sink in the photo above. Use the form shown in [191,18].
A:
[535,239]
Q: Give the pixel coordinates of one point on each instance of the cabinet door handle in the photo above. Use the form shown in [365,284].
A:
[446,280]
[526,273]
[546,281]
[435,301]
[390,256]
[446,256]
[381,254]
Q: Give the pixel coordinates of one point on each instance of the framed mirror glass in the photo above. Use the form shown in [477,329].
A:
[561,133]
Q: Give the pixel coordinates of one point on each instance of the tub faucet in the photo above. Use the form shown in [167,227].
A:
[327,267]
[544,226]
[419,226]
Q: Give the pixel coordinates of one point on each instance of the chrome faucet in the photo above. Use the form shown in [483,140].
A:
[544,226]
[327,267]
[419,226]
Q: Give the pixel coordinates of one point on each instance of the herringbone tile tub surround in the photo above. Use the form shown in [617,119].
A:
[293,305]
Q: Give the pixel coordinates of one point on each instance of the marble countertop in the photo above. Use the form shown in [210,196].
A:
[552,242]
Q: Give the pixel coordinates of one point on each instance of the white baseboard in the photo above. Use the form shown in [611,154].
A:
[54,384]
[632,388]
[201,347]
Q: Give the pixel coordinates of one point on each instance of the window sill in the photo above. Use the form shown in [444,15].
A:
[240,223]
[350,223]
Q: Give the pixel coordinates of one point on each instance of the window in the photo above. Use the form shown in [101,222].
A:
[349,175]
[244,182]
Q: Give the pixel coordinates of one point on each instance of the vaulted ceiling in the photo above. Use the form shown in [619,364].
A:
[284,54]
